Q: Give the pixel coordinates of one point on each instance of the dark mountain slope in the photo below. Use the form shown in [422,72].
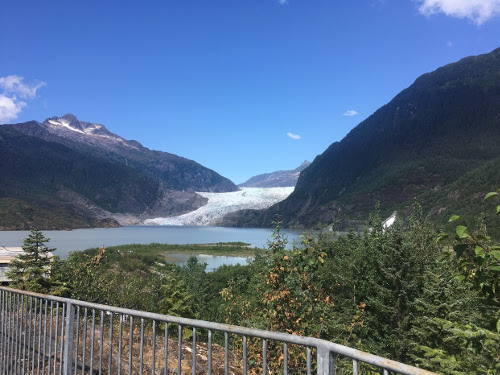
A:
[422,144]
[47,185]
[174,172]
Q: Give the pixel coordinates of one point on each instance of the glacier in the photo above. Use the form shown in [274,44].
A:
[220,204]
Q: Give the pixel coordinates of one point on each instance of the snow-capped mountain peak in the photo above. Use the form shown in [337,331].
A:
[68,126]
[67,122]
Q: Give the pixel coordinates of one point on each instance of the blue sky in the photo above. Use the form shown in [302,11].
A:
[241,86]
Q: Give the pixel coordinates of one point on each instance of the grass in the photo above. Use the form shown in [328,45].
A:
[141,256]
[157,249]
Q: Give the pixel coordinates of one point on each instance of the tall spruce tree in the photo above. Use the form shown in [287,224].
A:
[31,270]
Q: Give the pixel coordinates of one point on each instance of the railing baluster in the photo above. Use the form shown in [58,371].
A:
[131,345]
[16,334]
[209,354]
[285,358]
[29,332]
[55,338]
[264,356]
[64,314]
[120,343]
[141,355]
[92,339]
[226,354]
[69,328]
[101,348]
[40,314]
[4,329]
[110,362]
[20,334]
[44,336]
[165,358]
[194,350]
[9,325]
[179,351]
[84,349]
[35,309]
[245,359]
[308,359]
[11,332]
[153,360]
[2,322]
[354,367]
[50,336]
[5,318]
[77,339]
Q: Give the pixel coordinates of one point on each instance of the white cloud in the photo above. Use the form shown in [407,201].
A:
[11,88]
[9,108]
[478,11]
[350,112]
[293,136]
[15,85]
[283,2]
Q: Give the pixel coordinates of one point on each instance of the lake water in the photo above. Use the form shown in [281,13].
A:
[81,239]
[212,261]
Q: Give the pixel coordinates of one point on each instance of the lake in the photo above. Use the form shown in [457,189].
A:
[81,239]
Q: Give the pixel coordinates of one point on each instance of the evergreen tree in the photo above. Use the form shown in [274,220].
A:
[31,270]
[451,331]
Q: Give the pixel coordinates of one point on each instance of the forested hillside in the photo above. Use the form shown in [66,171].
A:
[47,185]
[430,142]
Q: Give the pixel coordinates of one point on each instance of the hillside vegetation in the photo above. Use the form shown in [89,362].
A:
[429,143]
[397,292]
[47,185]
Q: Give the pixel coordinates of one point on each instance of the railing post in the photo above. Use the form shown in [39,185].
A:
[68,341]
[326,364]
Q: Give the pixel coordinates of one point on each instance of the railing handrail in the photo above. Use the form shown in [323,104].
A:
[319,344]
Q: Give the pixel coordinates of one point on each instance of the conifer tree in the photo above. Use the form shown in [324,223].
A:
[30,271]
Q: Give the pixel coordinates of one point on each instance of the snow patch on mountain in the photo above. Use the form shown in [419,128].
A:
[64,124]
[220,204]
[68,126]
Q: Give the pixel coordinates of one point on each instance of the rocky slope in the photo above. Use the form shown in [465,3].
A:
[276,179]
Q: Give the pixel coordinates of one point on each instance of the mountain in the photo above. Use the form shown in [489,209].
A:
[47,185]
[276,179]
[174,172]
[437,141]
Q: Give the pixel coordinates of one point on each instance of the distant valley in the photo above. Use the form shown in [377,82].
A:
[438,142]
[65,173]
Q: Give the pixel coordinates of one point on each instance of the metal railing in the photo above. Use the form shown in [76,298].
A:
[41,334]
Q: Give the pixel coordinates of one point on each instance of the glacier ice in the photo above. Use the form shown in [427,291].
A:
[220,204]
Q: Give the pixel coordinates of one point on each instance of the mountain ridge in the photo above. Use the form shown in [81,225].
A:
[175,172]
[431,135]
[282,178]
[65,173]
